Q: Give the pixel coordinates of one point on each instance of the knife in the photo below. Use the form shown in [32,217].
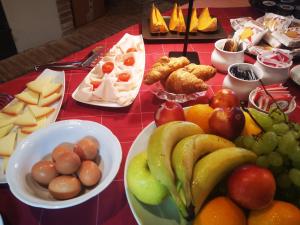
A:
[82,64]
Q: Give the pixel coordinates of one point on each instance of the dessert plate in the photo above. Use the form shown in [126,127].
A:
[57,77]
[110,91]
[164,214]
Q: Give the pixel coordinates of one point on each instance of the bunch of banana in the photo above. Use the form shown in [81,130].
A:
[177,22]
[190,163]
[157,22]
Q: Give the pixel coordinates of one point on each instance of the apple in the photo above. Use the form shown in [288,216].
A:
[167,112]
[142,183]
[227,122]
[224,98]
[251,186]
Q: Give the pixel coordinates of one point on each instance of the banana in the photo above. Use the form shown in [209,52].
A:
[209,170]
[159,150]
[188,151]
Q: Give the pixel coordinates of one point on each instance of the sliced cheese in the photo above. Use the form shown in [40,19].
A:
[25,119]
[6,119]
[39,111]
[28,96]
[39,84]
[5,130]
[49,100]
[14,108]
[21,135]
[40,123]
[50,89]
[7,144]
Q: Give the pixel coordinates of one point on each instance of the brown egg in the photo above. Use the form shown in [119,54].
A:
[67,163]
[87,148]
[43,172]
[64,187]
[61,148]
[89,173]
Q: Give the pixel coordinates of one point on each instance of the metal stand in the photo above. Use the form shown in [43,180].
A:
[192,56]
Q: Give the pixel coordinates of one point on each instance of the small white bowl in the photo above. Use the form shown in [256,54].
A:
[41,143]
[221,59]
[273,75]
[251,103]
[242,87]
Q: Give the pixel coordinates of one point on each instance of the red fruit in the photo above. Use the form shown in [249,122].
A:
[227,122]
[129,61]
[251,186]
[167,112]
[107,67]
[224,98]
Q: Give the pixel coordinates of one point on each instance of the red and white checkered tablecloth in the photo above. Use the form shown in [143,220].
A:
[111,206]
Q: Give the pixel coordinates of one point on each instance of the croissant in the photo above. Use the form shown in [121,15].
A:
[182,81]
[163,67]
[203,72]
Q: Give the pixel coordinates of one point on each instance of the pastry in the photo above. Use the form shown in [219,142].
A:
[203,72]
[206,23]
[182,81]
[157,22]
[163,67]
[194,21]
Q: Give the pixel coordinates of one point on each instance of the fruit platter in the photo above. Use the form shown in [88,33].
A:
[232,163]
[37,106]
[115,81]
[172,28]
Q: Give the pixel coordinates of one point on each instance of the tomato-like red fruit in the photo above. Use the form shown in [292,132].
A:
[131,50]
[124,77]
[107,67]
[95,83]
[224,98]
[129,61]
[251,186]
[167,112]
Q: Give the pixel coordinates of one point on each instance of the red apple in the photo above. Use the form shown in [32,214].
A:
[227,122]
[167,112]
[251,186]
[224,98]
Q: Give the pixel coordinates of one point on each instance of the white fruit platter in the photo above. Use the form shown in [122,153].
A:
[115,81]
[165,213]
[36,107]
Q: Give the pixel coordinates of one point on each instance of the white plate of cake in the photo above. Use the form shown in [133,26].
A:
[35,107]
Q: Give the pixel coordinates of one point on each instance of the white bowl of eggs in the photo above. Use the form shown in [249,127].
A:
[65,164]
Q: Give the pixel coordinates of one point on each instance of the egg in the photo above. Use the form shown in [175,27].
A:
[89,173]
[64,187]
[60,149]
[67,163]
[43,172]
[87,148]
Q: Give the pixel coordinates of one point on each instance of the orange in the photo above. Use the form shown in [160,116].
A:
[199,114]
[250,128]
[220,211]
[278,213]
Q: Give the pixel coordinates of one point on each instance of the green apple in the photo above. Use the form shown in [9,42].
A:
[142,183]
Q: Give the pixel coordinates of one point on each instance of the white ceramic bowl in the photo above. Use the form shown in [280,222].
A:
[221,59]
[251,103]
[273,75]
[41,143]
[242,87]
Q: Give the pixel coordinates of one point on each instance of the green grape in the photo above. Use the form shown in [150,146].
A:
[239,141]
[295,156]
[248,141]
[277,115]
[294,175]
[258,148]
[295,126]
[269,140]
[280,128]
[296,164]
[296,134]
[275,159]
[284,181]
[287,144]
[263,161]
[263,119]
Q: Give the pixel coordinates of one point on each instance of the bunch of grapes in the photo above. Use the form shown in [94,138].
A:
[278,148]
